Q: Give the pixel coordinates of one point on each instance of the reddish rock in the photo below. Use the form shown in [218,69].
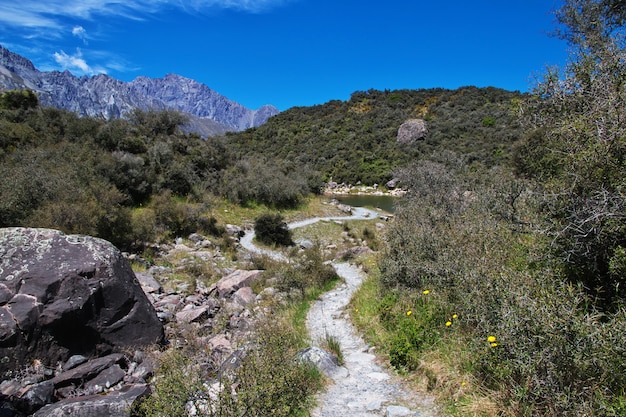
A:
[244,296]
[192,314]
[238,279]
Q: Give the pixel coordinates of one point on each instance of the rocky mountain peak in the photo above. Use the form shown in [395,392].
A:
[14,62]
[101,95]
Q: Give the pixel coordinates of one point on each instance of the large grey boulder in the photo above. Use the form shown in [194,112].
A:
[412,130]
[62,295]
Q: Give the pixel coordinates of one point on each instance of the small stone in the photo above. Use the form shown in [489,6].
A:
[322,359]
[397,411]
[74,361]
[238,279]
[378,376]
[244,296]
[192,314]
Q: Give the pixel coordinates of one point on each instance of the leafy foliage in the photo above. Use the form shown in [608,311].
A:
[19,100]
[466,258]
[525,267]
[268,381]
[577,147]
[84,175]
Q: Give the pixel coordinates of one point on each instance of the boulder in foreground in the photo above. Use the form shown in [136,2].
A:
[62,295]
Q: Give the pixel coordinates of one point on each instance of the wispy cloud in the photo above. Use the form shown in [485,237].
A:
[76,63]
[50,14]
[252,6]
[48,24]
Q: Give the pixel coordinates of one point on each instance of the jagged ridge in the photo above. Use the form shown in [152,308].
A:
[104,96]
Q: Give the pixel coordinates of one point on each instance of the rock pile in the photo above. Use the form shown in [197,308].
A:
[77,326]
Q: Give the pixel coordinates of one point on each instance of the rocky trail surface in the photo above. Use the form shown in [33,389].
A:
[362,387]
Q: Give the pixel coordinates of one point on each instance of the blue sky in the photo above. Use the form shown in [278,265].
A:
[291,52]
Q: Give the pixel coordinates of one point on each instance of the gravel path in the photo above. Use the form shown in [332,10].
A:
[360,388]
[358,213]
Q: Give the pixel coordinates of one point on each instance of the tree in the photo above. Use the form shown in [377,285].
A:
[158,122]
[577,146]
[19,100]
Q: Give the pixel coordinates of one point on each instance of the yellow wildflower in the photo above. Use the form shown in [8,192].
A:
[494,344]
[454,316]
[491,339]
[426,292]
[448,323]
[408,313]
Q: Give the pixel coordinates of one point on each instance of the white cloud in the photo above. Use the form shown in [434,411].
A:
[52,20]
[80,33]
[75,63]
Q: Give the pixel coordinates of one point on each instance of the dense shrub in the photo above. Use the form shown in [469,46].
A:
[264,181]
[85,175]
[271,229]
[310,271]
[18,100]
[576,148]
[473,243]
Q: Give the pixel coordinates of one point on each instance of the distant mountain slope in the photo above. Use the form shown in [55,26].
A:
[101,95]
[357,140]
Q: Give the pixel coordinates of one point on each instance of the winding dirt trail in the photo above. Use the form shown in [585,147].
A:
[361,387]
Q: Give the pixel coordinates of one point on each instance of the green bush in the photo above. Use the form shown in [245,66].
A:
[177,382]
[474,242]
[271,229]
[309,272]
[577,148]
[19,100]
[264,181]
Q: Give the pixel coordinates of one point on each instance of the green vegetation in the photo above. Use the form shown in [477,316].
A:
[141,179]
[501,288]
[268,381]
[331,343]
[356,140]
[499,284]
[128,181]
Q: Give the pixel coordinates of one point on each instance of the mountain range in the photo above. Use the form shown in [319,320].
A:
[209,112]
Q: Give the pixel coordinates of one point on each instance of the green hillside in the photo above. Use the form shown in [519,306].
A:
[356,140]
